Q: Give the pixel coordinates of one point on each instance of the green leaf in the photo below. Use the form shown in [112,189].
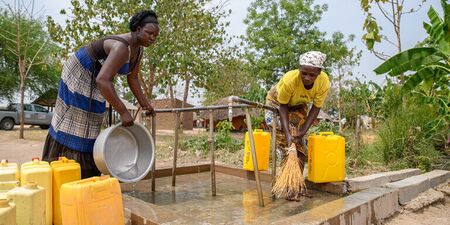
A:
[407,60]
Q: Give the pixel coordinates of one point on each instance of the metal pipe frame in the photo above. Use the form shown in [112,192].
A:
[246,105]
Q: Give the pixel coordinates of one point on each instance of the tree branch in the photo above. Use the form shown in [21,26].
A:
[35,55]
[389,41]
[380,55]
[9,39]
[385,13]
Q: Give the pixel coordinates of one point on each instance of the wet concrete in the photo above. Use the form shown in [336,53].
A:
[236,201]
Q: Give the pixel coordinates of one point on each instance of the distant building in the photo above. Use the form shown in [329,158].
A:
[238,120]
[166,121]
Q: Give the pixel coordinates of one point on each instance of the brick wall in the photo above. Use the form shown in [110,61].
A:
[166,121]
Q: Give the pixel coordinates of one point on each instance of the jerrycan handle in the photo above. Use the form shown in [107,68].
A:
[63,159]
[4,162]
[326,133]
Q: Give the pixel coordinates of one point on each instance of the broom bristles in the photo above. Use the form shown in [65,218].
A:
[290,181]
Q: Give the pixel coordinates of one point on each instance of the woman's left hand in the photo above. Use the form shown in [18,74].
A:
[149,109]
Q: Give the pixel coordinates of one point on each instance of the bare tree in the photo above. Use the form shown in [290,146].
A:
[23,43]
[392,11]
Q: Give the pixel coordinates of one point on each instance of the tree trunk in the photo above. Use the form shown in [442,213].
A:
[22,93]
[172,98]
[187,81]
[339,102]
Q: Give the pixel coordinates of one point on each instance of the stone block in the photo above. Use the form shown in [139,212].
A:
[410,188]
[437,177]
[373,180]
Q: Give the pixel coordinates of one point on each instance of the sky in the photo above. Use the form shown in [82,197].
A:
[345,16]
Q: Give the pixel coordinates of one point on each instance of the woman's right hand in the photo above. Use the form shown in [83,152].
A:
[127,119]
[292,139]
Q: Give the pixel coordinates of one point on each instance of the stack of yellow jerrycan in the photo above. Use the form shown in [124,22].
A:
[41,173]
[29,201]
[64,171]
[7,212]
[262,148]
[95,200]
[326,157]
[8,171]
[5,186]
[9,177]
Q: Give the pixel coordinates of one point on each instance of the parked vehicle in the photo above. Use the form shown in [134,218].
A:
[34,115]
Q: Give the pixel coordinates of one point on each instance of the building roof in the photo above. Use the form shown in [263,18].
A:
[222,114]
[127,104]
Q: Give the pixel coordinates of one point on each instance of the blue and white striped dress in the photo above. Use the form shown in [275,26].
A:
[73,125]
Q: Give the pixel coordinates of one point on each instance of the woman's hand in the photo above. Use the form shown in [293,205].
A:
[149,109]
[298,137]
[127,119]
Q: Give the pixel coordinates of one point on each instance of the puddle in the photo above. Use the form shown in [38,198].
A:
[236,201]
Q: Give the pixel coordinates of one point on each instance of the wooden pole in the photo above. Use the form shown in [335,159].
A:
[254,159]
[154,161]
[211,150]
[274,150]
[175,149]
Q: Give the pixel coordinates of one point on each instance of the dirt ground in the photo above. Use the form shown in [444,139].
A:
[436,214]
[23,150]
[20,151]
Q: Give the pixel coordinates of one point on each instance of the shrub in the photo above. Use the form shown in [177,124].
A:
[405,137]
[222,140]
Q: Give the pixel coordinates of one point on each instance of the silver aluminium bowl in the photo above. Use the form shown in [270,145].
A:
[126,153]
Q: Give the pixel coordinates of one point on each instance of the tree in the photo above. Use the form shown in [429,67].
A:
[341,71]
[30,54]
[280,30]
[230,76]
[392,11]
[429,65]
[188,41]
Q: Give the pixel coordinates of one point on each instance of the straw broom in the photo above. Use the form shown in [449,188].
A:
[290,181]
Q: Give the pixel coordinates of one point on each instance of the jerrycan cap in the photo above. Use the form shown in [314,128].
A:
[4,203]
[4,162]
[35,159]
[31,185]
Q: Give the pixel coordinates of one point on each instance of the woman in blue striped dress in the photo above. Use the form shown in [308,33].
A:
[86,82]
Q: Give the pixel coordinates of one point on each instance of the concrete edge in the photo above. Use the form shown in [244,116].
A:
[369,206]
[144,213]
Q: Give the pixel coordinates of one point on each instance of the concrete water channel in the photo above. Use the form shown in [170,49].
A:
[217,194]
[236,201]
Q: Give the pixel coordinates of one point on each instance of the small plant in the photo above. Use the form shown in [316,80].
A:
[222,140]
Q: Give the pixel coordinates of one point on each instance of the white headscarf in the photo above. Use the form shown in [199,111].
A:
[312,58]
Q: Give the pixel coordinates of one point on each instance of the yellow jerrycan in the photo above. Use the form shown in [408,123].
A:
[326,157]
[30,204]
[8,171]
[64,171]
[7,212]
[41,173]
[5,186]
[95,200]
[262,148]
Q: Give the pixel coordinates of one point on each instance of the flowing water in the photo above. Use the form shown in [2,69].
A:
[236,201]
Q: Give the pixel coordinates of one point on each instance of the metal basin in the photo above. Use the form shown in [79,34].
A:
[127,153]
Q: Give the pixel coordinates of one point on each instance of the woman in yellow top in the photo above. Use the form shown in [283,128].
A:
[295,90]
